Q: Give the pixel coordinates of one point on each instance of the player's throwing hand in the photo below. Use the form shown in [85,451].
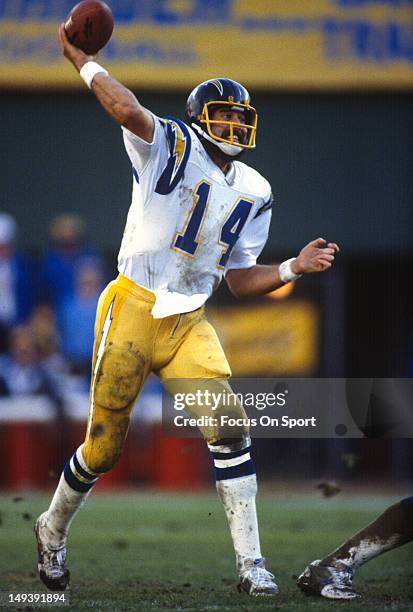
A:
[72,53]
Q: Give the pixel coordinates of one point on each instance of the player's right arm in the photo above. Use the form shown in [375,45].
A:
[118,101]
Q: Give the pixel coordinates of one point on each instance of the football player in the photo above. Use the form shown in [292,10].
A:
[197,214]
[332,576]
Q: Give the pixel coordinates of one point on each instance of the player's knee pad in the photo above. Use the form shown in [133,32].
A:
[120,376]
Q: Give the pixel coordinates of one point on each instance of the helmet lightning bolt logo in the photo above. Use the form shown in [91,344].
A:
[218,85]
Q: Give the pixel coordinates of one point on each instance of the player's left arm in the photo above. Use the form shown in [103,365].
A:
[316,256]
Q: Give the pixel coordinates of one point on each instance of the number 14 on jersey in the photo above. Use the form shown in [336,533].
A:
[188,239]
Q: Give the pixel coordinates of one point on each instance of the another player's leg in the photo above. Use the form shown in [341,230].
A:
[119,369]
[332,576]
[200,358]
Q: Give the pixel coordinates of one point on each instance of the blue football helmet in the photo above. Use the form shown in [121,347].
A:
[215,94]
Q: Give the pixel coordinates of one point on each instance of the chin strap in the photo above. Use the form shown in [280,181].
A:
[226,148]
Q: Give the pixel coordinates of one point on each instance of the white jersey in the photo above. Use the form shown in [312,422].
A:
[188,223]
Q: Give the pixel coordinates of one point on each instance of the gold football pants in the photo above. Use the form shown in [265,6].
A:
[129,344]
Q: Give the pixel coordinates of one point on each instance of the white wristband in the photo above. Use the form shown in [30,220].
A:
[285,271]
[89,71]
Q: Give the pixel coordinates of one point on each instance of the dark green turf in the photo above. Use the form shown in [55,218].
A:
[173,552]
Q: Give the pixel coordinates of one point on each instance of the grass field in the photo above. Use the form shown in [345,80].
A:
[154,551]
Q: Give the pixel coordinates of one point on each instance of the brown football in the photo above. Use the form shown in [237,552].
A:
[89,25]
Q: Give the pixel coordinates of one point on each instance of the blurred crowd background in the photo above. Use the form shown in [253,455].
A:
[48,306]
[337,146]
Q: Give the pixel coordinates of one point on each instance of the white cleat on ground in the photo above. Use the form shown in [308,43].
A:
[332,582]
[51,562]
[256,580]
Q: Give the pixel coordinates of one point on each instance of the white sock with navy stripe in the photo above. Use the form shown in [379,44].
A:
[237,488]
[74,486]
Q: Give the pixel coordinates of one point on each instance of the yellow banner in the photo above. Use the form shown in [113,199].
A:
[269,339]
[271,44]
